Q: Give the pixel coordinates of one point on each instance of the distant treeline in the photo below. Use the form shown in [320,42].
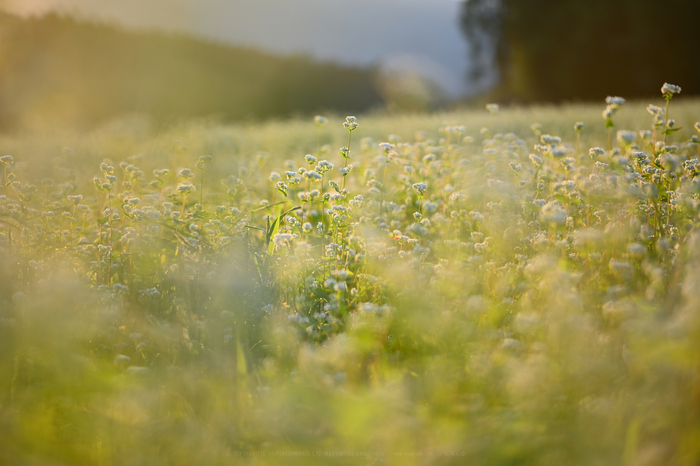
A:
[55,70]
[553,50]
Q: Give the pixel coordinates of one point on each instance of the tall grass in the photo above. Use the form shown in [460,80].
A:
[472,291]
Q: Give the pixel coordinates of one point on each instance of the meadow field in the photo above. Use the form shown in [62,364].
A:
[514,286]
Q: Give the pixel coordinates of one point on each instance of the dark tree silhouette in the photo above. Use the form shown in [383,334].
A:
[565,49]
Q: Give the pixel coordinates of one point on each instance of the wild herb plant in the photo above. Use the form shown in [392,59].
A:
[491,297]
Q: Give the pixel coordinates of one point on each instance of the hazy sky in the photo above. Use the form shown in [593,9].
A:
[421,35]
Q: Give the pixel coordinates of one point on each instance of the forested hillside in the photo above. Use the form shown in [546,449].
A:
[557,50]
[56,70]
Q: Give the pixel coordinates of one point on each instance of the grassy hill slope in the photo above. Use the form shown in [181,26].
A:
[57,70]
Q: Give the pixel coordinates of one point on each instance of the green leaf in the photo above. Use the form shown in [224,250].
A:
[565,200]
[266,207]
[321,294]
[13,222]
[274,228]
[529,206]
[270,234]
[671,130]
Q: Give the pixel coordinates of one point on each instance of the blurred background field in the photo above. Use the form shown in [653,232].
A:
[171,146]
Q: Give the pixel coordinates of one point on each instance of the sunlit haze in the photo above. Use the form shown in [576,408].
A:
[418,35]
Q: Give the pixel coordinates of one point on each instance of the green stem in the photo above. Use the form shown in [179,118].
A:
[323,214]
[578,143]
[109,222]
[201,191]
[347,156]
[381,202]
[318,141]
[668,101]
